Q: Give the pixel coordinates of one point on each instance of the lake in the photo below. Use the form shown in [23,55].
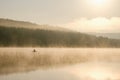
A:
[99,68]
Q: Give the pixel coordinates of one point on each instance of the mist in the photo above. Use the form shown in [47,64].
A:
[98,25]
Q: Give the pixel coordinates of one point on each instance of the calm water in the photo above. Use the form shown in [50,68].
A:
[96,70]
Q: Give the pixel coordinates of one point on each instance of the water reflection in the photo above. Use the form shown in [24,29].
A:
[84,71]
[98,71]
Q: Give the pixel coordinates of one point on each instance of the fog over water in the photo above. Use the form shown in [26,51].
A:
[104,64]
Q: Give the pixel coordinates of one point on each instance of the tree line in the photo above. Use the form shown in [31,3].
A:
[23,37]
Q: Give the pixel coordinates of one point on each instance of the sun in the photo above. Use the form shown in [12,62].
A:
[98,2]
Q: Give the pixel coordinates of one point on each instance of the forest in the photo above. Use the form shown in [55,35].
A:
[23,37]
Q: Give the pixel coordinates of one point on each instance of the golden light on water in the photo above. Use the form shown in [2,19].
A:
[94,72]
[100,72]
[99,75]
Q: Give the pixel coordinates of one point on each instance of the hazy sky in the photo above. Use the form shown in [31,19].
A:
[83,15]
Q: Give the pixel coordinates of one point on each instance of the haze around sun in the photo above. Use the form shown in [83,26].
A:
[80,15]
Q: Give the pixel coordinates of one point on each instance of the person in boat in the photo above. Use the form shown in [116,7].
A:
[34,50]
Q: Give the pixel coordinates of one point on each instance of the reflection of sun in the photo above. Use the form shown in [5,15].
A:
[98,75]
[93,72]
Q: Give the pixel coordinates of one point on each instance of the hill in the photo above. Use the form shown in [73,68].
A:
[29,25]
